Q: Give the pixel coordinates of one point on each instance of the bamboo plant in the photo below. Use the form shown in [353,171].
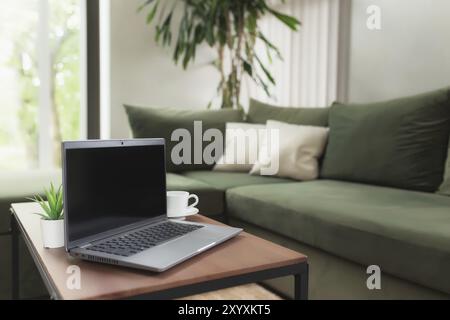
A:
[228,26]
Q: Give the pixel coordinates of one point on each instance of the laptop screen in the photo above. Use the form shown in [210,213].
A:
[107,187]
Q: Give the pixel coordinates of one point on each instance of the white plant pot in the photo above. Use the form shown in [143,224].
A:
[52,233]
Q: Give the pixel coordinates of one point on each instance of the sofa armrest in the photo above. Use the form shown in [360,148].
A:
[16,186]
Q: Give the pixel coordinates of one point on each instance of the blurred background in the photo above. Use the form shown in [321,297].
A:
[40,60]
[66,69]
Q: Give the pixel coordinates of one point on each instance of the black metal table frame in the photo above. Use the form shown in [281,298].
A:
[299,271]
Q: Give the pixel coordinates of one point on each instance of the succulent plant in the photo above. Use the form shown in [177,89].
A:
[53,207]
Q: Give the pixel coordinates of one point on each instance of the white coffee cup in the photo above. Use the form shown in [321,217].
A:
[178,203]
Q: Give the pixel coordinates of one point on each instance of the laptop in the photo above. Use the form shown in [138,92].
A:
[115,207]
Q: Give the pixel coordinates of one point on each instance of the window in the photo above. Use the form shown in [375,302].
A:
[41,100]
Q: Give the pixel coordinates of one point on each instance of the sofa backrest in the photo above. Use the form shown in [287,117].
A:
[162,122]
[400,143]
[260,112]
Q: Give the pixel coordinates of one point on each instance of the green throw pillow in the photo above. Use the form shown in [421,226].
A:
[399,143]
[161,122]
[260,112]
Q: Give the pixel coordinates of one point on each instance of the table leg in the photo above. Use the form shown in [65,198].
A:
[301,285]
[14,258]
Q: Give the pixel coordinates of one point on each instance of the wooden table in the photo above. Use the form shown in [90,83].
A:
[243,259]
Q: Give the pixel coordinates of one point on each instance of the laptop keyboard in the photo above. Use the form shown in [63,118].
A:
[142,239]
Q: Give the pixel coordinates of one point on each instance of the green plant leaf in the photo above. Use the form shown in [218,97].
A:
[45,217]
[199,34]
[189,52]
[210,22]
[38,200]
[265,70]
[259,81]
[164,30]
[289,21]
[251,23]
[59,202]
[53,207]
[209,34]
[44,205]
[177,51]
[50,195]
[152,13]
[157,33]
[270,45]
[247,68]
[269,55]
[142,6]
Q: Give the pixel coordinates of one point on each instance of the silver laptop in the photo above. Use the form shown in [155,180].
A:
[115,207]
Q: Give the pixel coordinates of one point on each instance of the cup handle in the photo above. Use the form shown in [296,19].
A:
[194,196]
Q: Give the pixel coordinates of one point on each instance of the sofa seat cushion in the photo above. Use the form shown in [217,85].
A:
[406,233]
[226,180]
[211,199]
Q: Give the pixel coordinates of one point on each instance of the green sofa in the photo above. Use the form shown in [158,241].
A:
[342,226]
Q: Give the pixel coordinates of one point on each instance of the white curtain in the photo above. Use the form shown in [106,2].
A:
[309,74]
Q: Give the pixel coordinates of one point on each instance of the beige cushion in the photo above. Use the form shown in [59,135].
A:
[241,146]
[295,152]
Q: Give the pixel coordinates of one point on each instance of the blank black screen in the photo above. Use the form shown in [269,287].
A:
[112,187]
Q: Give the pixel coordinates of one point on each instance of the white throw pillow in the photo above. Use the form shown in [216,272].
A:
[295,152]
[241,146]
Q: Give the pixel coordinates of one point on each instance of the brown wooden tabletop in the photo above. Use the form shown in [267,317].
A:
[241,255]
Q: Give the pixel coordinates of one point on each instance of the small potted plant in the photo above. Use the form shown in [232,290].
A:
[52,223]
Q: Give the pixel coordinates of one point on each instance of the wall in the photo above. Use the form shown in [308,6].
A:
[410,54]
[137,71]
[309,73]
[142,73]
